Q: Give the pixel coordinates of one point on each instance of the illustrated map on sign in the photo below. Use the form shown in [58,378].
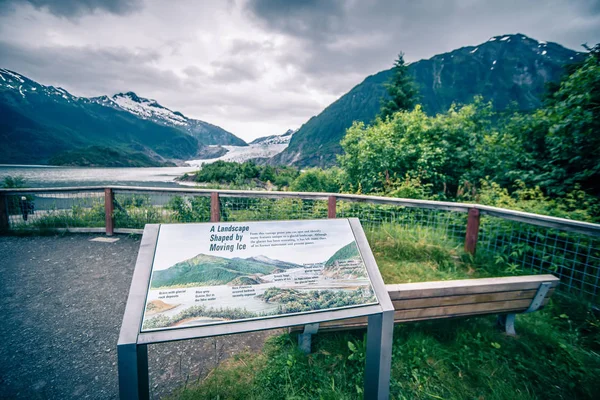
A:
[222,272]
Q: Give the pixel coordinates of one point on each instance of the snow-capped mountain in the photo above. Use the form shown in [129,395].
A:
[25,86]
[47,124]
[151,110]
[146,108]
[275,139]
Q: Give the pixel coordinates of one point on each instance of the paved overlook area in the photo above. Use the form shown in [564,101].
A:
[62,301]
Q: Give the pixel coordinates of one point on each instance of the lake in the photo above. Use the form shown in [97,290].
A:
[45,176]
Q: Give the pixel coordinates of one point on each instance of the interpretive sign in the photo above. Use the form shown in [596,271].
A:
[220,272]
[220,278]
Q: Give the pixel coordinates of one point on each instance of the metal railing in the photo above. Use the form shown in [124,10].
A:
[523,241]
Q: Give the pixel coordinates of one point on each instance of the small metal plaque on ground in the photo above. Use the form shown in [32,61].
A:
[222,272]
[104,239]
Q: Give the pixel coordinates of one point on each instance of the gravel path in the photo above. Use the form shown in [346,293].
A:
[62,300]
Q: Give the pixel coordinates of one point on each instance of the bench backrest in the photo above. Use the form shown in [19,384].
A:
[458,298]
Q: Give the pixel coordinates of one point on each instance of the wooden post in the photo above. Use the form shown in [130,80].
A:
[109,198]
[215,207]
[4,223]
[472,231]
[331,207]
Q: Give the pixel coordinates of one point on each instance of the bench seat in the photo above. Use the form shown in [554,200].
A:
[461,298]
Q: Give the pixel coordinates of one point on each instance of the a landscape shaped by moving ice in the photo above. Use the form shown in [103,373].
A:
[209,289]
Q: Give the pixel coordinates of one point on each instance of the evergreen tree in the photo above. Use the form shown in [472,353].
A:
[401,90]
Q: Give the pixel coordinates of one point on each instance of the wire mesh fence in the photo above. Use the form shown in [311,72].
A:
[573,257]
[271,209]
[56,210]
[134,209]
[449,224]
[522,246]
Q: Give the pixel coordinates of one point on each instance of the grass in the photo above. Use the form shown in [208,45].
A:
[554,356]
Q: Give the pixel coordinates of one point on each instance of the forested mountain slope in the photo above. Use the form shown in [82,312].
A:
[506,69]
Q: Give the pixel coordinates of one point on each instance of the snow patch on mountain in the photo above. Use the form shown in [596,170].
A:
[148,109]
[12,74]
[275,139]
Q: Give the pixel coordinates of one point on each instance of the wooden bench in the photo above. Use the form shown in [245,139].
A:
[461,298]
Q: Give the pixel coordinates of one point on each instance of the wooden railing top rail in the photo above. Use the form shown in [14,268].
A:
[519,216]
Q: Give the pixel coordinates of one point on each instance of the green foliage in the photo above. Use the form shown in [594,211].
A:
[573,138]
[577,204]
[401,90]
[190,209]
[277,209]
[205,269]
[77,216]
[408,188]
[345,253]
[9,182]
[162,321]
[318,180]
[437,151]
[421,253]
[135,211]
[292,301]
[237,174]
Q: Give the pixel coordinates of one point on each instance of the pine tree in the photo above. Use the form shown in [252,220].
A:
[401,90]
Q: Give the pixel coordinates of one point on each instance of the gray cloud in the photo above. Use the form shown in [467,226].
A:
[258,67]
[308,18]
[88,71]
[240,46]
[74,8]
[340,40]
[235,70]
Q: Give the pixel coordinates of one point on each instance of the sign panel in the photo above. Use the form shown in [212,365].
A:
[213,273]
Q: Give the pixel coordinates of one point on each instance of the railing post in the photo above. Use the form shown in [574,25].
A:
[331,206]
[4,223]
[109,198]
[472,231]
[215,207]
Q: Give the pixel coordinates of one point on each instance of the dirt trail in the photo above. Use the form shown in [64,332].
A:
[62,300]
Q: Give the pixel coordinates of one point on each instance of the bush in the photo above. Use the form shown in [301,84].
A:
[318,180]
[247,173]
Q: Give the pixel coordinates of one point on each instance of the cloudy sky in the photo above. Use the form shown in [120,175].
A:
[257,67]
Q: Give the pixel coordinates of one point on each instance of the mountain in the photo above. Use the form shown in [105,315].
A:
[505,69]
[275,139]
[213,270]
[347,252]
[44,124]
[206,133]
[276,263]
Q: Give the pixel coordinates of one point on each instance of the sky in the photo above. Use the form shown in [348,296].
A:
[258,67]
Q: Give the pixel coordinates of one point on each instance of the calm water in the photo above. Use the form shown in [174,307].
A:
[44,176]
